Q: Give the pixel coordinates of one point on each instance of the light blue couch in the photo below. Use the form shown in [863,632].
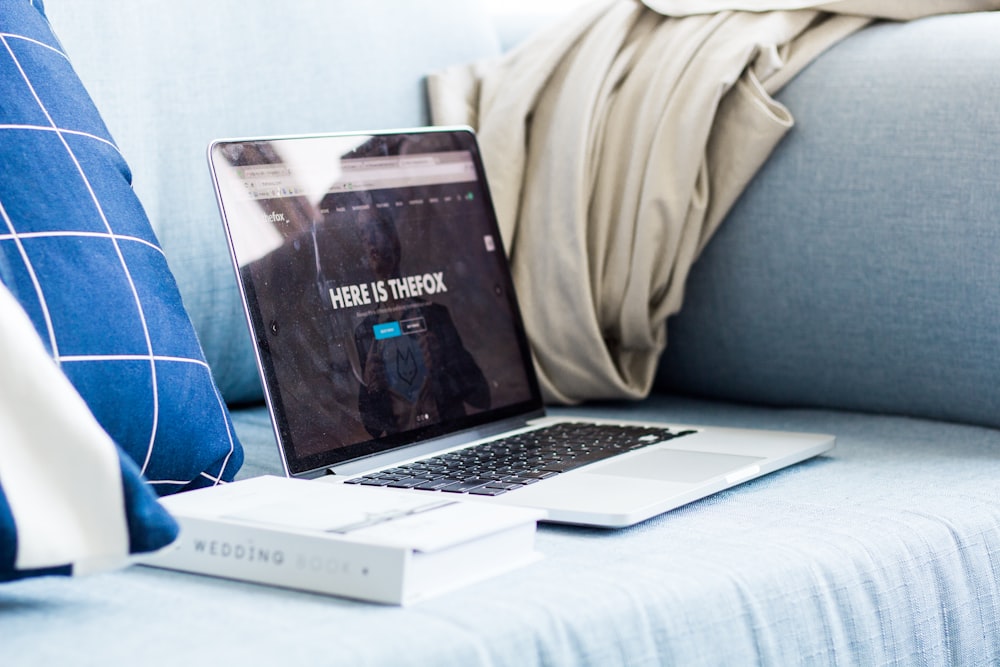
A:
[853,290]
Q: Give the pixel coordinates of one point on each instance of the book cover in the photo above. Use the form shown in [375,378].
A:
[352,541]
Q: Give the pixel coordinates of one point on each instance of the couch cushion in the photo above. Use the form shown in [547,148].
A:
[297,67]
[77,251]
[70,501]
[884,552]
[858,270]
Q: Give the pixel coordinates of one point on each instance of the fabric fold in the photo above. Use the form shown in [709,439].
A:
[615,143]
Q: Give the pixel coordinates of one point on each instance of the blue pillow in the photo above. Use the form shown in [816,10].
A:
[70,501]
[78,252]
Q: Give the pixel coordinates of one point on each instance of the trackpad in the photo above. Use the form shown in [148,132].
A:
[675,465]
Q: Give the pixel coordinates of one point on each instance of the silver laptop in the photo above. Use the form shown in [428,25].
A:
[392,351]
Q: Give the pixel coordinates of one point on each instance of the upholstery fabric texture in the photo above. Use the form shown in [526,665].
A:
[883,552]
[861,274]
[77,251]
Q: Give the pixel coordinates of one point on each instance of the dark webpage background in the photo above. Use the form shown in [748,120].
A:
[317,352]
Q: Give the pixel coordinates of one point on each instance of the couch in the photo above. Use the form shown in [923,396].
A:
[853,290]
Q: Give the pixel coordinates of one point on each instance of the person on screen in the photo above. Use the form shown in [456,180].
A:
[419,372]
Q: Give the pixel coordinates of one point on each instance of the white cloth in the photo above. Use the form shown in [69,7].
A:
[59,470]
[615,143]
[899,10]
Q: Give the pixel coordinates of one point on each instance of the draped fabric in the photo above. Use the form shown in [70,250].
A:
[615,144]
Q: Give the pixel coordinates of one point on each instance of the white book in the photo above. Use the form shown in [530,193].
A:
[346,540]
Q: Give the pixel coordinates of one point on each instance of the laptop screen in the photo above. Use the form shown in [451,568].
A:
[376,287]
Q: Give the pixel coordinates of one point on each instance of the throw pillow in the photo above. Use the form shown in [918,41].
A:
[78,252]
[70,501]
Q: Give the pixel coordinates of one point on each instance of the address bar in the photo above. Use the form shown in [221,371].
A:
[416,170]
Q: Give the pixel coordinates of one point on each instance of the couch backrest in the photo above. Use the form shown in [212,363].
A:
[859,269]
[171,75]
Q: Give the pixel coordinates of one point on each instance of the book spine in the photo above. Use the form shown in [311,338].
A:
[308,562]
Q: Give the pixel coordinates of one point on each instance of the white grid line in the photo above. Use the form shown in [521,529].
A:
[232,443]
[79,358]
[173,482]
[216,481]
[60,130]
[118,252]
[50,330]
[212,478]
[10,35]
[53,234]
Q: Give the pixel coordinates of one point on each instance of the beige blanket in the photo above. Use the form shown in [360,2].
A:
[616,142]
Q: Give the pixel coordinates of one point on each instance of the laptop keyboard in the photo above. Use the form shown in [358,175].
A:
[516,461]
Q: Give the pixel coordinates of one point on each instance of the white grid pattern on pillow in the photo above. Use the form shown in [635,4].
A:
[117,240]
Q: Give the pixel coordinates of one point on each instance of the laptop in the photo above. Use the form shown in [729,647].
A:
[392,352]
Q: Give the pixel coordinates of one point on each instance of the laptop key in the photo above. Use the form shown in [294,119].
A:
[520,481]
[374,482]
[503,486]
[466,486]
[487,491]
[538,475]
[433,484]
[407,483]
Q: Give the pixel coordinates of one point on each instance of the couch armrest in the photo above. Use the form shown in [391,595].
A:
[859,270]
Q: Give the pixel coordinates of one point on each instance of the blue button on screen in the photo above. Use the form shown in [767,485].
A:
[387,330]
